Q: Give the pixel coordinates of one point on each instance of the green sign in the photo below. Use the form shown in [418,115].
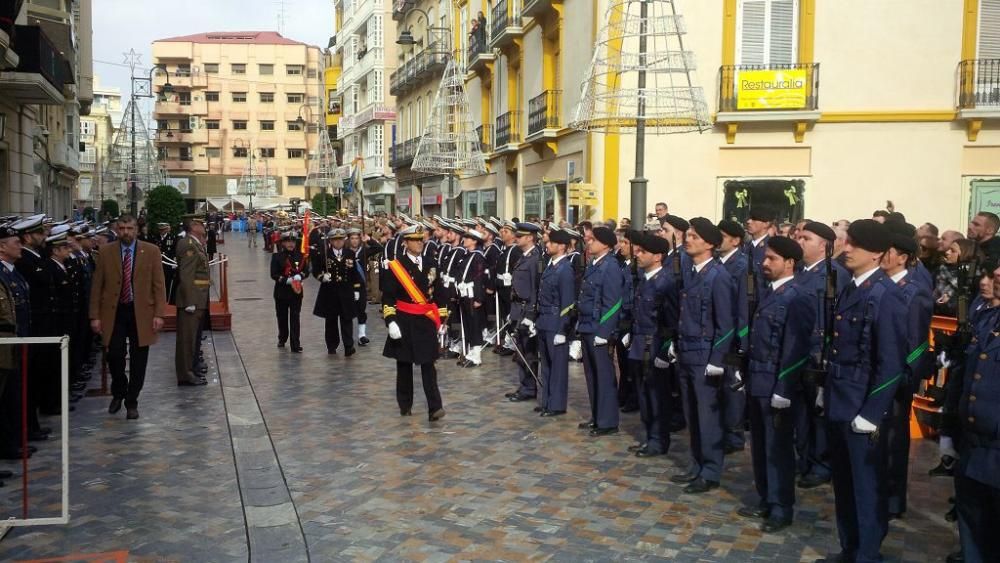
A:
[985,197]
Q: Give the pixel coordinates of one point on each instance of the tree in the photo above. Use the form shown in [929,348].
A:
[164,204]
[324,204]
[109,209]
[89,213]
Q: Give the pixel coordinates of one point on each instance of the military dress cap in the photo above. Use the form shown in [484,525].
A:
[524,229]
[785,247]
[492,229]
[413,232]
[336,234]
[60,239]
[32,224]
[195,217]
[707,230]
[508,225]
[651,243]
[762,213]
[473,234]
[287,235]
[732,228]
[895,217]
[6,231]
[606,236]
[820,229]
[60,230]
[573,233]
[560,236]
[353,231]
[437,219]
[869,235]
[632,235]
[456,227]
[163,225]
[496,222]
[427,225]
[901,237]
[676,222]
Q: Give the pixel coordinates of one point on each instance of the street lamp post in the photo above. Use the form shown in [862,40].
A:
[250,184]
[141,87]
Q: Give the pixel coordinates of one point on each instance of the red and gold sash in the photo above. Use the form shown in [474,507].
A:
[420,306]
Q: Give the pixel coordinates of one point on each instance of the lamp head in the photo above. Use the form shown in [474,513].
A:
[406,38]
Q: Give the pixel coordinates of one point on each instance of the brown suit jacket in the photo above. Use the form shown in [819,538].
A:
[147,289]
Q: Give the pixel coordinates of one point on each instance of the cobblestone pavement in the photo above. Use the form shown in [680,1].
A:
[492,481]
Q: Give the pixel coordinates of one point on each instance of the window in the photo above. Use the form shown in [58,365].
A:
[296,153]
[162,124]
[293,70]
[213,152]
[265,70]
[184,69]
[211,124]
[240,152]
[267,153]
[768,32]
[238,68]
[211,68]
[161,153]
[186,153]
[211,96]
[293,126]
[312,128]
[267,97]
[296,180]
[184,98]
[88,128]
[267,126]
[240,125]
[295,98]
[239,97]
[312,73]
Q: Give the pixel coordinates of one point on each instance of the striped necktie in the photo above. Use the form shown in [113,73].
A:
[126,296]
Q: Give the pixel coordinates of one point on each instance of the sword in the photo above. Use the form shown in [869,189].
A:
[496,301]
[526,365]
[497,333]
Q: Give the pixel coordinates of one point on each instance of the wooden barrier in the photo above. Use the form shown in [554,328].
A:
[218,309]
[925,414]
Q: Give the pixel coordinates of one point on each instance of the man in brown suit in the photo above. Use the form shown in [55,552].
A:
[127,301]
[193,281]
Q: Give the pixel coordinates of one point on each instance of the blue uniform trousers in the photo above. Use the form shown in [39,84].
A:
[733,411]
[811,435]
[654,404]
[858,470]
[529,347]
[704,421]
[601,385]
[555,372]
[772,448]
[898,427]
[978,519]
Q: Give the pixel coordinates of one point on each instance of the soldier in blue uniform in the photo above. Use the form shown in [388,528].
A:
[628,392]
[734,399]
[601,299]
[556,300]
[705,331]
[524,279]
[510,254]
[919,305]
[759,226]
[361,254]
[654,314]
[778,352]
[867,363]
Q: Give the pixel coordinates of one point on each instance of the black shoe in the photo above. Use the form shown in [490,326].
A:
[628,409]
[838,558]
[597,432]
[515,398]
[331,352]
[451,355]
[896,515]
[363,341]
[4,474]
[683,478]
[37,436]
[510,394]
[646,452]
[131,413]
[754,512]
[281,344]
[348,352]
[811,481]
[296,349]
[549,414]
[944,469]
[192,382]
[636,447]
[505,352]
[405,412]
[589,425]
[773,525]
[538,409]
[115,406]
[436,415]
[14,455]
[699,486]
[45,430]
[955,557]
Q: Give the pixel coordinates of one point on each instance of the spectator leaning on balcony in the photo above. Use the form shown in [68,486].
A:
[960,252]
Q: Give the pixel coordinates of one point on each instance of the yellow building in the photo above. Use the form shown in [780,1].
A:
[238,100]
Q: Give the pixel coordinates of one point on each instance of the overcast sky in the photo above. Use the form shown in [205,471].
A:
[120,25]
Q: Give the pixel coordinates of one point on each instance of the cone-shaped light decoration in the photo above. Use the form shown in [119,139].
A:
[641,74]
[118,170]
[450,144]
[323,173]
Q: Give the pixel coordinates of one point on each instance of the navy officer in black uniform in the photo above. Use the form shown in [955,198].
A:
[340,286]
[524,281]
[288,267]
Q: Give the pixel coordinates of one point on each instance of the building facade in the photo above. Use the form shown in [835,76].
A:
[97,133]
[333,109]
[239,103]
[365,43]
[45,71]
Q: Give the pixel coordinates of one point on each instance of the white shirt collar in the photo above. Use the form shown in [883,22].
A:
[858,280]
[414,259]
[699,267]
[598,259]
[899,276]
[728,255]
[58,262]
[649,275]
[37,255]
[8,265]
[757,241]
[778,283]
[557,259]
[812,266]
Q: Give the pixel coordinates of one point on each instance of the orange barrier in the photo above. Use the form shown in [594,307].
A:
[219,315]
[926,408]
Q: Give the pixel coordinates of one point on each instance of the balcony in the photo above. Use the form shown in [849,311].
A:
[543,115]
[485,135]
[182,137]
[536,8]
[507,24]
[768,93]
[178,164]
[372,112]
[414,72]
[508,132]
[978,93]
[479,52]
[164,109]
[374,166]
[372,59]
[402,153]
[66,157]
[42,75]
[182,81]
[400,7]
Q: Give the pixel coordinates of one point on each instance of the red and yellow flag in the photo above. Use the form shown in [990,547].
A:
[306,227]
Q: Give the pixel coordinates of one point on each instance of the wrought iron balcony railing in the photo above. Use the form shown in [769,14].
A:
[773,87]
[543,112]
[979,84]
[508,129]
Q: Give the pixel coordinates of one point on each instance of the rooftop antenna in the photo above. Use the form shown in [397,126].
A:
[281,16]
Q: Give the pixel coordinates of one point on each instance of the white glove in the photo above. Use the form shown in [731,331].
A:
[357,295]
[190,308]
[394,332]
[559,339]
[862,426]
[626,340]
[447,280]
[506,279]
[943,360]
[946,447]
[576,350]
[528,323]
[713,370]
[819,397]
[288,281]
[739,378]
[672,353]
[662,364]
[779,402]
[443,330]
[297,277]
[598,341]
[325,277]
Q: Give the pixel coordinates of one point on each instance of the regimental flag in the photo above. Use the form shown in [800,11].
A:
[306,227]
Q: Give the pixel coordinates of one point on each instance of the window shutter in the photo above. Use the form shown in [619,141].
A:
[752,29]
[782,40]
[768,32]
[989,29]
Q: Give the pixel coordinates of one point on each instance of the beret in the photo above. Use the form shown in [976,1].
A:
[606,236]
[676,222]
[765,214]
[785,247]
[869,235]
[560,236]
[651,243]
[820,229]
[901,237]
[732,228]
[707,231]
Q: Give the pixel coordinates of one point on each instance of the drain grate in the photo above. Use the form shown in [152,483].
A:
[249,299]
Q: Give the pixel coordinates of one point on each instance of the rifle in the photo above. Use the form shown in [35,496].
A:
[740,360]
[816,375]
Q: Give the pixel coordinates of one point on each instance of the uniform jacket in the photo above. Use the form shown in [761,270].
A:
[738,265]
[524,286]
[867,355]
[166,244]
[492,254]
[40,282]
[780,340]
[474,269]
[756,261]
[919,306]
[979,409]
[285,265]
[8,327]
[705,326]
[193,276]
[556,297]
[506,263]
[62,299]
[336,297]
[654,315]
[419,344]
[21,298]
[601,298]
[148,293]
[813,282]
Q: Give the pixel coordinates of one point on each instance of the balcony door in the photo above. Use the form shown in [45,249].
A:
[988,54]
[767,32]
